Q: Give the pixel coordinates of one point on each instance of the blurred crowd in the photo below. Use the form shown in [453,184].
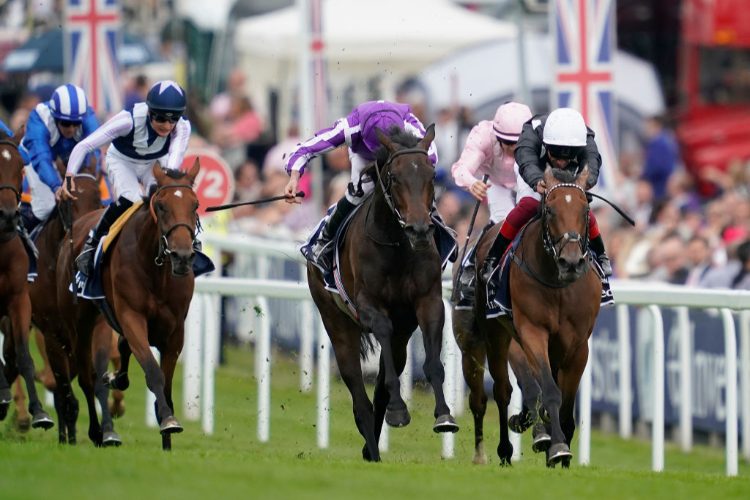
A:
[679,237]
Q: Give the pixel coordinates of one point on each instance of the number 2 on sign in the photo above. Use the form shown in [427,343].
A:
[214,183]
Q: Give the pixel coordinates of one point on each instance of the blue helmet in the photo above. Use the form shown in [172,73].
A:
[166,96]
[69,103]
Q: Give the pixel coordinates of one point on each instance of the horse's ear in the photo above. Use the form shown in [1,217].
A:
[193,172]
[583,177]
[158,172]
[549,177]
[61,168]
[18,137]
[429,136]
[385,141]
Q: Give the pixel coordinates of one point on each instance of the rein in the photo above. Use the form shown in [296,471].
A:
[164,250]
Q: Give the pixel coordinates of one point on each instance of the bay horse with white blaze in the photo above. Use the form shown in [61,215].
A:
[14,290]
[391,269]
[555,299]
[148,283]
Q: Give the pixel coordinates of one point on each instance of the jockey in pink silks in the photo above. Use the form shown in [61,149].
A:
[490,150]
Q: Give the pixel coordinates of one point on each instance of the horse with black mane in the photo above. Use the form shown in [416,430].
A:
[14,290]
[391,269]
[555,296]
[148,283]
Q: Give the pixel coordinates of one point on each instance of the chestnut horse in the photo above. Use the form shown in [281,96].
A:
[555,298]
[148,299]
[46,316]
[391,269]
[14,289]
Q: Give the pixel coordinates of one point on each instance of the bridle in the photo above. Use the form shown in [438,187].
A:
[554,246]
[6,142]
[386,188]
[164,251]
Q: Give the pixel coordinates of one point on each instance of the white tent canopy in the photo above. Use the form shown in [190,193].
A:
[390,38]
[487,73]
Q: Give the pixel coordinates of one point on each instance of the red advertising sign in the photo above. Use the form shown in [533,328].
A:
[215,182]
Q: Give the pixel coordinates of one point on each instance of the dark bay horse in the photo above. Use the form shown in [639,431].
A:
[46,315]
[391,269]
[14,290]
[555,295]
[148,283]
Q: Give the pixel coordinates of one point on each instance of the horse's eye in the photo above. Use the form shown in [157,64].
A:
[160,206]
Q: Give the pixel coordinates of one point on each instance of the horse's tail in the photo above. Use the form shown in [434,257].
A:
[366,346]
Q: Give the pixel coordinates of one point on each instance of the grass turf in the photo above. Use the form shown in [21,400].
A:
[232,463]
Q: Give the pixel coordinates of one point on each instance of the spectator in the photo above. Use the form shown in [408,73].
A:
[661,156]
[741,280]
[136,90]
[699,260]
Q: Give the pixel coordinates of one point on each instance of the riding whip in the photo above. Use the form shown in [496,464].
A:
[70,240]
[300,194]
[617,209]
[485,178]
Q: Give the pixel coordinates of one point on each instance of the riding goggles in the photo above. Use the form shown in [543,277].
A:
[564,152]
[68,123]
[507,142]
[165,117]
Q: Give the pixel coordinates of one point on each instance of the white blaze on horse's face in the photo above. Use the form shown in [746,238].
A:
[6,155]
[178,193]
[568,198]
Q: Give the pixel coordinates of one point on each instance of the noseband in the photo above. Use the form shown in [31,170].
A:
[15,190]
[164,250]
[554,246]
[387,186]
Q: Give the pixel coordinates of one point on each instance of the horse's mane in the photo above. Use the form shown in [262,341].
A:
[399,136]
[567,176]
[172,173]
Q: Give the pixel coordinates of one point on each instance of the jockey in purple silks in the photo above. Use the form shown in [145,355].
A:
[359,132]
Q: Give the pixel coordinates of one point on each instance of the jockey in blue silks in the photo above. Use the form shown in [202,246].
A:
[53,130]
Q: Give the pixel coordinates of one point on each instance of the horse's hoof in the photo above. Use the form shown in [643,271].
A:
[108,379]
[518,424]
[397,418]
[42,421]
[480,457]
[170,425]
[541,443]
[445,423]
[24,424]
[367,456]
[557,453]
[111,438]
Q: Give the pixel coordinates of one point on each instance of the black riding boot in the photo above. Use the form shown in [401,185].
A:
[85,261]
[498,248]
[466,283]
[323,249]
[597,245]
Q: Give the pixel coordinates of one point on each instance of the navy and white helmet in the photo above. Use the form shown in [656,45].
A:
[69,103]
[166,97]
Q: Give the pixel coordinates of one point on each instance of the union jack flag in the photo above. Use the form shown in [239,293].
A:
[584,36]
[92,40]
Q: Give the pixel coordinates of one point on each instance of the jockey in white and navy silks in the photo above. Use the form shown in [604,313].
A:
[359,132]
[141,135]
[53,130]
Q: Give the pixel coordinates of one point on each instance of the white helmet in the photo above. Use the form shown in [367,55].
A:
[565,127]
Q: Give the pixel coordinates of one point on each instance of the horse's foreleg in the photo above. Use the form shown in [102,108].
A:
[535,345]
[19,398]
[45,374]
[472,364]
[5,395]
[135,329]
[119,381]
[569,380]
[497,353]
[531,414]
[117,405]
[381,398]
[20,318]
[100,345]
[169,357]
[66,403]
[86,379]
[431,318]
[396,415]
